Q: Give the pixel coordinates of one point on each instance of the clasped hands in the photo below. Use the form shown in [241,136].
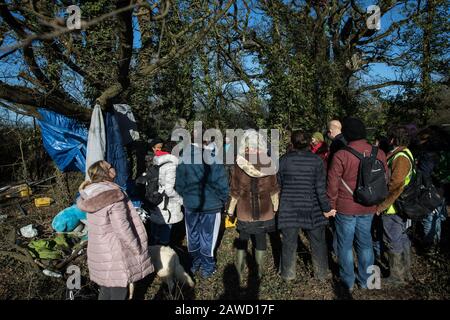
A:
[330,213]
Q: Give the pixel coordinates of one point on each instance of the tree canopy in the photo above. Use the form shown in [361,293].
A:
[233,63]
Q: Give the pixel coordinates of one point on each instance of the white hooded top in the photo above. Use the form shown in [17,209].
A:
[167,176]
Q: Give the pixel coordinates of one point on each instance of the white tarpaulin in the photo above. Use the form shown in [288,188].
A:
[96,145]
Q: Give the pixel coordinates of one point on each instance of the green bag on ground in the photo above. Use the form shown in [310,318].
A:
[51,249]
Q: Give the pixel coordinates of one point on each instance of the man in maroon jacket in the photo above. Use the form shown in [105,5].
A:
[353,220]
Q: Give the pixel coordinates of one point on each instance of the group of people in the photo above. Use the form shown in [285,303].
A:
[312,188]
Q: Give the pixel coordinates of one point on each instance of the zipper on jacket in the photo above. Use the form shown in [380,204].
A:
[254,198]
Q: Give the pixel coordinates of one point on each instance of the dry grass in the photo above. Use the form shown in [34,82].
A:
[19,281]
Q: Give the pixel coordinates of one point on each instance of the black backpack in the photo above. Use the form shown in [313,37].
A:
[418,198]
[152,195]
[371,186]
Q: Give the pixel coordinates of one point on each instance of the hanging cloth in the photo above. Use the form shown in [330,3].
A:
[115,151]
[96,144]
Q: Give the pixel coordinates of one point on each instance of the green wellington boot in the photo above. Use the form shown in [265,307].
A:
[240,263]
[260,256]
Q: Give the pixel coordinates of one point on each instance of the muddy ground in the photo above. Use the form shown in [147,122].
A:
[21,279]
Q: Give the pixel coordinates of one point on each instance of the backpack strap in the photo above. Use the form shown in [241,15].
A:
[347,187]
[354,152]
[374,152]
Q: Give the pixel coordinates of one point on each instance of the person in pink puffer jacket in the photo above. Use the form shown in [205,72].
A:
[117,250]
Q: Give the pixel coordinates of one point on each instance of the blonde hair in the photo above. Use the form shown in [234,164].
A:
[96,173]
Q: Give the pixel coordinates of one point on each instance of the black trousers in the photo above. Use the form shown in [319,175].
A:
[319,252]
[113,293]
[120,293]
[259,240]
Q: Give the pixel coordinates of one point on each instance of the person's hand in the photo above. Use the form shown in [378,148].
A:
[330,213]
[378,212]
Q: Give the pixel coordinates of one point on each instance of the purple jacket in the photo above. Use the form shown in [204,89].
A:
[117,248]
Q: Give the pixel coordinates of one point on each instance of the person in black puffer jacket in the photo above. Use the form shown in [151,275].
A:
[303,204]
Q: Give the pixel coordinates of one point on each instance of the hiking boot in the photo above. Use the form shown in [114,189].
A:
[259,258]
[345,293]
[407,262]
[207,274]
[320,269]
[240,263]
[287,267]
[396,269]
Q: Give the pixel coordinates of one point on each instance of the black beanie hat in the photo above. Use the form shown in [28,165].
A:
[353,129]
[155,141]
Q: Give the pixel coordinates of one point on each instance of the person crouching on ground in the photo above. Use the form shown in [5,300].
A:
[254,191]
[117,250]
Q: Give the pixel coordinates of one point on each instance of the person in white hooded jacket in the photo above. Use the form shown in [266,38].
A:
[168,212]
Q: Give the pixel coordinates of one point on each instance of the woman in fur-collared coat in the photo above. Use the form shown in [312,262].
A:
[254,195]
[117,248]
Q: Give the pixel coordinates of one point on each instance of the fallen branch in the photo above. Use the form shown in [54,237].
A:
[72,257]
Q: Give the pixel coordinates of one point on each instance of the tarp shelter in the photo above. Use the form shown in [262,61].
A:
[115,151]
[64,139]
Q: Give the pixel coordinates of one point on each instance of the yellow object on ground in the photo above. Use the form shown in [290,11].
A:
[230,222]
[25,191]
[42,202]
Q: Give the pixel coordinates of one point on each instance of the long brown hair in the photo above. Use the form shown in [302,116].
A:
[97,173]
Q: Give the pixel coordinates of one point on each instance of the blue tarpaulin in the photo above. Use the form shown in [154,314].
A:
[64,139]
[115,152]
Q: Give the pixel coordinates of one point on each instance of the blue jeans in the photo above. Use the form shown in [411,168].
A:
[351,228]
[160,234]
[202,231]
[432,225]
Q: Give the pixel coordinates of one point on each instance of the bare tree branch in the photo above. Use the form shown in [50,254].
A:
[125,34]
[383,85]
[177,52]
[33,98]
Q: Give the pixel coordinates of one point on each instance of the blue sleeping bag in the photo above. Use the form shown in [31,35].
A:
[68,219]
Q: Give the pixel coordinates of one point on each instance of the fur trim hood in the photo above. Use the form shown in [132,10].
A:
[256,170]
[99,195]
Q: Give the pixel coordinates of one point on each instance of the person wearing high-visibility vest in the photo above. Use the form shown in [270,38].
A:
[400,162]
